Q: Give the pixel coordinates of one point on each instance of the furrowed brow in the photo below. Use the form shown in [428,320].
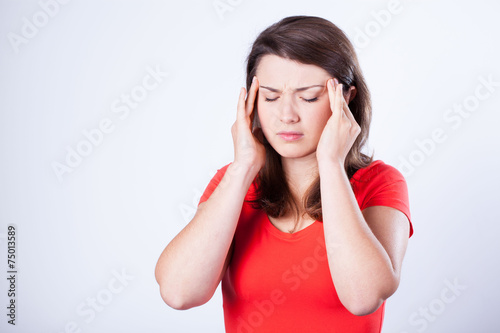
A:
[298,89]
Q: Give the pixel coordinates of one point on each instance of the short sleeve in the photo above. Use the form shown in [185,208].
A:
[212,185]
[383,185]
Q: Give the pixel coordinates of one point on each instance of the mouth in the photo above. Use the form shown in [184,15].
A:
[291,135]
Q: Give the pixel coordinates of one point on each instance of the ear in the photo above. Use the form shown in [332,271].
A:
[349,96]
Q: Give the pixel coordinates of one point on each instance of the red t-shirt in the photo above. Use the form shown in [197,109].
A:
[280,282]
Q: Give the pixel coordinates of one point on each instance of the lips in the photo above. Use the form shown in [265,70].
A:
[290,135]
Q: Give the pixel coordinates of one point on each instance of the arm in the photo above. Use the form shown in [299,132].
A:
[365,249]
[194,262]
[192,265]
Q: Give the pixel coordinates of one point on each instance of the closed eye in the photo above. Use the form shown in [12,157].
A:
[307,100]
[311,100]
[271,99]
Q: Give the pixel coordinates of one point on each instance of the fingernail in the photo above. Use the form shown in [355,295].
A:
[253,79]
[336,81]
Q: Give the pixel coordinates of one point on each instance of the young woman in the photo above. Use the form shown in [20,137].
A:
[306,232]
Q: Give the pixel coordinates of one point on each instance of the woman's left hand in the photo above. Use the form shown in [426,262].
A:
[340,131]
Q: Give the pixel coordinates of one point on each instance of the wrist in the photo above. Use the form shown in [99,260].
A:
[330,165]
[332,173]
[243,171]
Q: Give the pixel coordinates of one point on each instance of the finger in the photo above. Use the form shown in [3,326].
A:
[331,93]
[348,112]
[250,102]
[339,101]
[241,104]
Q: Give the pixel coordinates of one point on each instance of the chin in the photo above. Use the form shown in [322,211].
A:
[292,150]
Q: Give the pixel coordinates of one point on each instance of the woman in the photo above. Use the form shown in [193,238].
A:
[306,232]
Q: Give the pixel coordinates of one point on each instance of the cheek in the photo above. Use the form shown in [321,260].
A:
[321,117]
[267,121]
[265,113]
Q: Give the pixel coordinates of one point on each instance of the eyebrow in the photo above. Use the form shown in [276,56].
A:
[298,89]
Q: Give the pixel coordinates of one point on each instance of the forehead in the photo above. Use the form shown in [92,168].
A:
[279,72]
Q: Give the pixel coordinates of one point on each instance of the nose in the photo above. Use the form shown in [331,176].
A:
[288,114]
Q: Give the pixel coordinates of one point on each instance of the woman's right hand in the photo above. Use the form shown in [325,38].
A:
[249,152]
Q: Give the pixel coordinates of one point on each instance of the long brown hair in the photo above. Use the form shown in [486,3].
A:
[309,40]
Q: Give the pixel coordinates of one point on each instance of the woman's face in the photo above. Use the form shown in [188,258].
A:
[293,105]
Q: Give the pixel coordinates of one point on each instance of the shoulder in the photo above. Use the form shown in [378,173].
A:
[377,173]
[380,184]
[216,179]
[221,171]
[214,182]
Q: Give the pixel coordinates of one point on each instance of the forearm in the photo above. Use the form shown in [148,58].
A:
[361,268]
[190,267]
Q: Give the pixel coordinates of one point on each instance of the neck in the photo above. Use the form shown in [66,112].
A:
[300,173]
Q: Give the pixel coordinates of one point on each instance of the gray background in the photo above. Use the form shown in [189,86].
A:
[139,184]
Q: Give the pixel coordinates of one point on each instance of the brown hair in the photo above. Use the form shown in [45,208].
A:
[309,40]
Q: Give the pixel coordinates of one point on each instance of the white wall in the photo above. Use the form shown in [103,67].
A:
[122,203]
